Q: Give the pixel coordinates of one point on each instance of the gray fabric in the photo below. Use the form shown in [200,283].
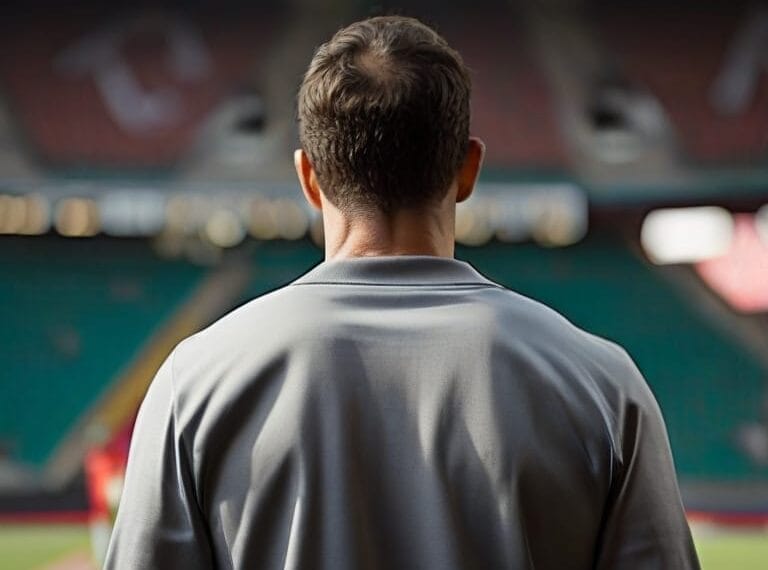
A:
[399,413]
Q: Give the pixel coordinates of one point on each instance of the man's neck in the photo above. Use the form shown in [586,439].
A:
[407,232]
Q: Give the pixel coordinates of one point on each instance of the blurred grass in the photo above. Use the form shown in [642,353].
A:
[733,551]
[30,547]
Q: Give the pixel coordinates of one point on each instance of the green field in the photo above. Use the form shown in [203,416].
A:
[30,547]
[733,551]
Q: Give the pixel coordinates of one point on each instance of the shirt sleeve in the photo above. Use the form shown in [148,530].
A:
[159,523]
[644,525]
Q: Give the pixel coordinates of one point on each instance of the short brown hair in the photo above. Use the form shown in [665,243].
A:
[384,115]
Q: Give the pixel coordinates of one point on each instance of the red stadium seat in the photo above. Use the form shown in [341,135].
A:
[679,54]
[513,108]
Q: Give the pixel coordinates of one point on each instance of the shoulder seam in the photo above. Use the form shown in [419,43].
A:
[179,435]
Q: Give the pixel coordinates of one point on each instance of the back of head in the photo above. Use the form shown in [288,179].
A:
[384,115]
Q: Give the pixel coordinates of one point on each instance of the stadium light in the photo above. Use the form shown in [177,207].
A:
[292,220]
[263,222]
[13,211]
[553,215]
[38,216]
[686,235]
[132,213]
[187,213]
[473,224]
[561,222]
[77,217]
[24,215]
[177,214]
[224,228]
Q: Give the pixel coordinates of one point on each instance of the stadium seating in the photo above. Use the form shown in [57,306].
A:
[74,315]
[108,75]
[680,62]
[276,263]
[512,106]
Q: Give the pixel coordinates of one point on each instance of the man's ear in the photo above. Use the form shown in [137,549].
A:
[470,169]
[307,179]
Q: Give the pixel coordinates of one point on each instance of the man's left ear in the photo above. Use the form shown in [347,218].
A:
[470,169]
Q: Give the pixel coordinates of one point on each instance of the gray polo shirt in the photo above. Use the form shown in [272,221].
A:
[399,412]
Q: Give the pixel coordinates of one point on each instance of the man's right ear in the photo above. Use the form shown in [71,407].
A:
[470,169]
[307,179]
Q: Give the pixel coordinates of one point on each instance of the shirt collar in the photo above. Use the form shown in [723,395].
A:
[395,270]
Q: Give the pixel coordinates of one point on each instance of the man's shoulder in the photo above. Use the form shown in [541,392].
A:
[255,321]
[519,314]
[262,329]
[550,335]
[252,336]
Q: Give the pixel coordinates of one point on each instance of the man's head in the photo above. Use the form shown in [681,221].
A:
[384,119]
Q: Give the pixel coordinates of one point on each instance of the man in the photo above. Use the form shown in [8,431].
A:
[392,408]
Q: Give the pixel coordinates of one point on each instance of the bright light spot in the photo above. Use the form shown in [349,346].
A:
[553,214]
[13,212]
[686,235]
[263,222]
[132,213]
[465,219]
[186,213]
[473,226]
[224,229]
[77,217]
[560,224]
[38,216]
[177,214]
[291,219]
[25,215]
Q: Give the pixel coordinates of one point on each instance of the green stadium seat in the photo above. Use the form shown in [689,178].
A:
[74,315]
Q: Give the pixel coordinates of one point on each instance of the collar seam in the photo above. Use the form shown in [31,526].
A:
[384,284]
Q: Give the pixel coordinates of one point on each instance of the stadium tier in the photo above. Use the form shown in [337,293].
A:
[715,95]
[512,106]
[74,316]
[133,92]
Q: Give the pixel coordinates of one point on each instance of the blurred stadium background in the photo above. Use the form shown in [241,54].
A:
[146,188]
